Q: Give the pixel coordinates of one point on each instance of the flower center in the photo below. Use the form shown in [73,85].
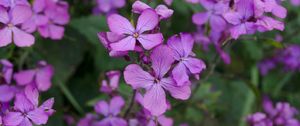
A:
[136,35]
[10,25]
[156,81]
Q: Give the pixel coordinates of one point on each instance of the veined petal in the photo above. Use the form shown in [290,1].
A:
[22,39]
[232,18]
[137,77]
[149,41]
[38,116]
[6,36]
[20,13]
[119,24]
[22,103]
[148,20]
[126,44]
[155,100]
[180,75]
[32,94]
[4,18]
[195,65]
[179,92]
[13,118]
[162,60]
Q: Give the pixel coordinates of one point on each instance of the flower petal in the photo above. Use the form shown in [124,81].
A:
[32,94]
[43,78]
[200,18]
[102,108]
[6,36]
[6,93]
[195,65]
[139,6]
[22,103]
[119,24]
[232,18]
[56,32]
[4,18]
[47,106]
[13,118]
[22,39]
[148,20]
[114,121]
[38,116]
[180,75]
[126,44]
[217,23]
[163,11]
[20,13]
[135,76]
[162,60]
[165,121]
[149,41]
[179,92]
[155,100]
[115,105]
[24,77]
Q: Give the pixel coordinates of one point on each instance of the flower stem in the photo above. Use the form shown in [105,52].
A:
[130,104]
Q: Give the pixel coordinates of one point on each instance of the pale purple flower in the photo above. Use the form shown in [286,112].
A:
[113,82]
[26,111]
[106,6]
[163,11]
[110,111]
[182,46]
[213,15]
[259,119]
[11,31]
[39,77]
[156,82]
[106,38]
[295,2]
[88,120]
[147,21]
[13,3]
[266,65]
[290,57]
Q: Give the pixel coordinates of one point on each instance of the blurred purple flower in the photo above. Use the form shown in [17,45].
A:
[88,120]
[163,11]
[147,21]
[11,31]
[113,82]
[182,46]
[110,111]
[107,6]
[7,91]
[13,3]
[156,84]
[266,65]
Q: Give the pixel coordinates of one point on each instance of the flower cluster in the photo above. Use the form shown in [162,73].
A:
[18,20]
[280,115]
[288,57]
[24,94]
[161,67]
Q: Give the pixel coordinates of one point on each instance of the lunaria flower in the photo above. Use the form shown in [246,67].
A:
[147,21]
[110,111]
[113,82]
[156,82]
[11,31]
[182,46]
[163,11]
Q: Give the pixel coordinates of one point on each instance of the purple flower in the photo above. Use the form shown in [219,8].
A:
[110,111]
[155,82]
[88,120]
[13,3]
[7,91]
[11,31]
[7,70]
[106,6]
[295,2]
[26,111]
[147,21]
[163,11]
[182,46]
[112,84]
[266,65]
[145,118]
[213,15]
[106,38]
[168,2]
[259,119]
[39,77]
[290,57]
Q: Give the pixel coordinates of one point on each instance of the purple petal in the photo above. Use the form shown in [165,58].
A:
[39,5]
[155,100]
[56,32]
[7,70]
[114,77]
[102,108]
[181,45]
[32,94]
[165,121]
[43,78]
[162,60]
[195,66]
[137,77]
[6,36]
[44,31]
[13,118]
[3,15]
[200,18]
[24,77]
[25,122]
[115,105]
[217,23]
[38,116]
[149,41]
[47,106]
[163,11]
[180,75]
[148,20]
[168,2]
[20,14]
[238,30]
[114,121]
[105,87]
[6,93]
[119,24]
[139,6]
[104,5]
[125,44]
[232,18]
[179,92]
[21,38]
[22,103]
[118,3]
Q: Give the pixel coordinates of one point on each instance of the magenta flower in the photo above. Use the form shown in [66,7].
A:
[106,38]
[11,20]
[39,77]
[110,111]
[112,84]
[163,11]
[13,3]
[106,6]
[182,46]
[156,83]
[147,21]
[213,15]
[26,111]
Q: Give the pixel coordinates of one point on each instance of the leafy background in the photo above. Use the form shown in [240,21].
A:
[225,98]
